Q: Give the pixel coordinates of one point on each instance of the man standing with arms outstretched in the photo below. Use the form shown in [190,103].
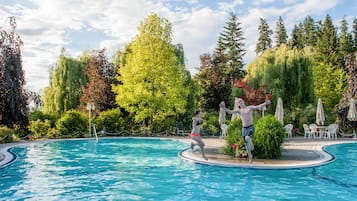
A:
[246,114]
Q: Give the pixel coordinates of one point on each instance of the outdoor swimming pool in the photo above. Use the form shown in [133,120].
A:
[149,169]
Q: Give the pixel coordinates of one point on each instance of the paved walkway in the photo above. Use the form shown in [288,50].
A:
[296,153]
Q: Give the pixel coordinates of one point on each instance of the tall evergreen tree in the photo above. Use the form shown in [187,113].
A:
[264,40]
[345,45]
[297,37]
[231,45]
[309,32]
[220,45]
[354,35]
[326,45]
[151,81]
[13,97]
[281,35]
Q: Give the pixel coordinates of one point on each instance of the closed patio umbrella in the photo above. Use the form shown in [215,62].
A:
[279,111]
[235,115]
[222,116]
[352,113]
[320,115]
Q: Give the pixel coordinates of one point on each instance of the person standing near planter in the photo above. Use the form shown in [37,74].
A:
[246,114]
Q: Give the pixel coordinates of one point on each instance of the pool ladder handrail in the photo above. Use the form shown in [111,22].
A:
[95,133]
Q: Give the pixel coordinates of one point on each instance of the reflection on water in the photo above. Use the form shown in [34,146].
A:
[149,169]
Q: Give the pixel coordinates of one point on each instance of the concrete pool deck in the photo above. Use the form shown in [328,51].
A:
[296,153]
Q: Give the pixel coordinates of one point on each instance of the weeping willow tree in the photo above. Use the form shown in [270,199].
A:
[287,73]
[66,83]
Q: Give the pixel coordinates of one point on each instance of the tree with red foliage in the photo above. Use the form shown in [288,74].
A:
[212,80]
[342,107]
[101,74]
[253,96]
[13,98]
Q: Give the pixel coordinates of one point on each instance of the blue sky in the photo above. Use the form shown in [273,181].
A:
[46,26]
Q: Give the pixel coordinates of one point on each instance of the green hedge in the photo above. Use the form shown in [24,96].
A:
[111,121]
[8,135]
[40,129]
[73,123]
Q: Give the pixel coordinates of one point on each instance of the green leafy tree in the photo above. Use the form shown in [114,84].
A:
[329,84]
[264,40]
[152,83]
[281,35]
[66,83]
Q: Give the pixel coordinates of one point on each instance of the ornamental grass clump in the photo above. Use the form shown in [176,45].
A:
[268,137]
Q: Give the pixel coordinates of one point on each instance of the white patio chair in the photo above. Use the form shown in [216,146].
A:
[289,130]
[307,132]
[313,130]
[224,128]
[331,131]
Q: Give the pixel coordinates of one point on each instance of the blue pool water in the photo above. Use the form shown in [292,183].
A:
[149,169]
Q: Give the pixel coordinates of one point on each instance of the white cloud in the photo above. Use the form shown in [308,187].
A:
[308,7]
[45,26]
[229,6]
[261,2]
[198,31]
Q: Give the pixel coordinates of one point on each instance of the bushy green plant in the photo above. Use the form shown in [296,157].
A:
[234,136]
[111,121]
[37,114]
[40,129]
[210,124]
[20,131]
[73,123]
[268,137]
[7,135]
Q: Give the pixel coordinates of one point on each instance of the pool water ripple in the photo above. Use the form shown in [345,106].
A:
[149,169]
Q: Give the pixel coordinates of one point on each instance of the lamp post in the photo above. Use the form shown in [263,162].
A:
[90,107]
